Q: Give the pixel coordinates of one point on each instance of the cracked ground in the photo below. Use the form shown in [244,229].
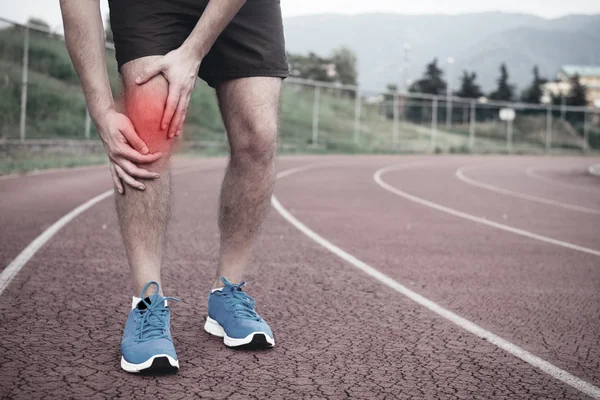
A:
[340,334]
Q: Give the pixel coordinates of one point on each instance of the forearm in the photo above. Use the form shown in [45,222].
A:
[84,35]
[214,19]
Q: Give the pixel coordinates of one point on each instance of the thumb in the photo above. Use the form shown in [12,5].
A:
[149,72]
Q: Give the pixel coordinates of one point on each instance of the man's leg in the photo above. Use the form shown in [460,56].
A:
[250,110]
[143,215]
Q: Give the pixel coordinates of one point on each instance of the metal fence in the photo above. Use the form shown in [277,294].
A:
[35,68]
[416,122]
[41,99]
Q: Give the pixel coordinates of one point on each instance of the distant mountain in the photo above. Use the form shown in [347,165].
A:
[478,42]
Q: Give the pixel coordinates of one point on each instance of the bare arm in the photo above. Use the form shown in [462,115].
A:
[180,66]
[216,17]
[84,36]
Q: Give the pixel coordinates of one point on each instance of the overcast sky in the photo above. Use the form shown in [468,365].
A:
[20,10]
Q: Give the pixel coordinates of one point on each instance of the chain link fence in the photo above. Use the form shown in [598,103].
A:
[41,99]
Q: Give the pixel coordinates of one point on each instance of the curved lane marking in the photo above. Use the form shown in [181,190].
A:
[460,174]
[461,322]
[9,273]
[594,169]
[531,172]
[451,211]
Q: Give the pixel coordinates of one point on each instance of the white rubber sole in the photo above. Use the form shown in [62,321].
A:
[148,364]
[259,338]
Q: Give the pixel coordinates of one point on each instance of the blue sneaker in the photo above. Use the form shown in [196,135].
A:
[232,316]
[147,345]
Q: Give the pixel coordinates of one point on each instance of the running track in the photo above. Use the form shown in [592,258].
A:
[480,280]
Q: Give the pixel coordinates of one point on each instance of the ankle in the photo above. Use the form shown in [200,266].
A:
[217,284]
[234,279]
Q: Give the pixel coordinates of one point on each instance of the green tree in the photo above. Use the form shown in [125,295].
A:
[577,96]
[38,22]
[534,92]
[432,81]
[309,66]
[468,87]
[388,98]
[345,65]
[390,88]
[505,91]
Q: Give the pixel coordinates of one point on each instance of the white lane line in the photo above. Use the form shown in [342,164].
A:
[439,207]
[18,263]
[594,169]
[460,174]
[463,323]
[303,168]
[531,172]
[9,273]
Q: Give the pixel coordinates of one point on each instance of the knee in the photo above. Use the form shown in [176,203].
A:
[144,105]
[254,142]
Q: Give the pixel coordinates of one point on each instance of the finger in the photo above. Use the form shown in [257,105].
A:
[128,179]
[132,137]
[185,109]
[132,155]
[134,171]
[149,72]
[178,117]
[116,179]
[170,106]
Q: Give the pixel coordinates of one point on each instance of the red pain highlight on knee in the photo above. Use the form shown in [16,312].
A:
[145,109]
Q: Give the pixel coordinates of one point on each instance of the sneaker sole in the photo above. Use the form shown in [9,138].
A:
[158,364]
[253,340]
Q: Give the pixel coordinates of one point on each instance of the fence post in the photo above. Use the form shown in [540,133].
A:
[449,110]
[315,124]
[88,123]
[586,132]
[24,85]
[548,128]
[434,117]
[357,105]
[509,131]
[472,127]
[395,121]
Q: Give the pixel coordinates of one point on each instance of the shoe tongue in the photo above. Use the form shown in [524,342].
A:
[231,289]
[142,306]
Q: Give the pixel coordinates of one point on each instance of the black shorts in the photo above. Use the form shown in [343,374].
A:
[251,45]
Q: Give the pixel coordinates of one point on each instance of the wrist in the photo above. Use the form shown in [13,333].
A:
[194,49]
[100,115]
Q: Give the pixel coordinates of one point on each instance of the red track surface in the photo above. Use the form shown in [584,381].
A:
[340,333]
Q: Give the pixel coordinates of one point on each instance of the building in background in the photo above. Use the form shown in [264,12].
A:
[589,76]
